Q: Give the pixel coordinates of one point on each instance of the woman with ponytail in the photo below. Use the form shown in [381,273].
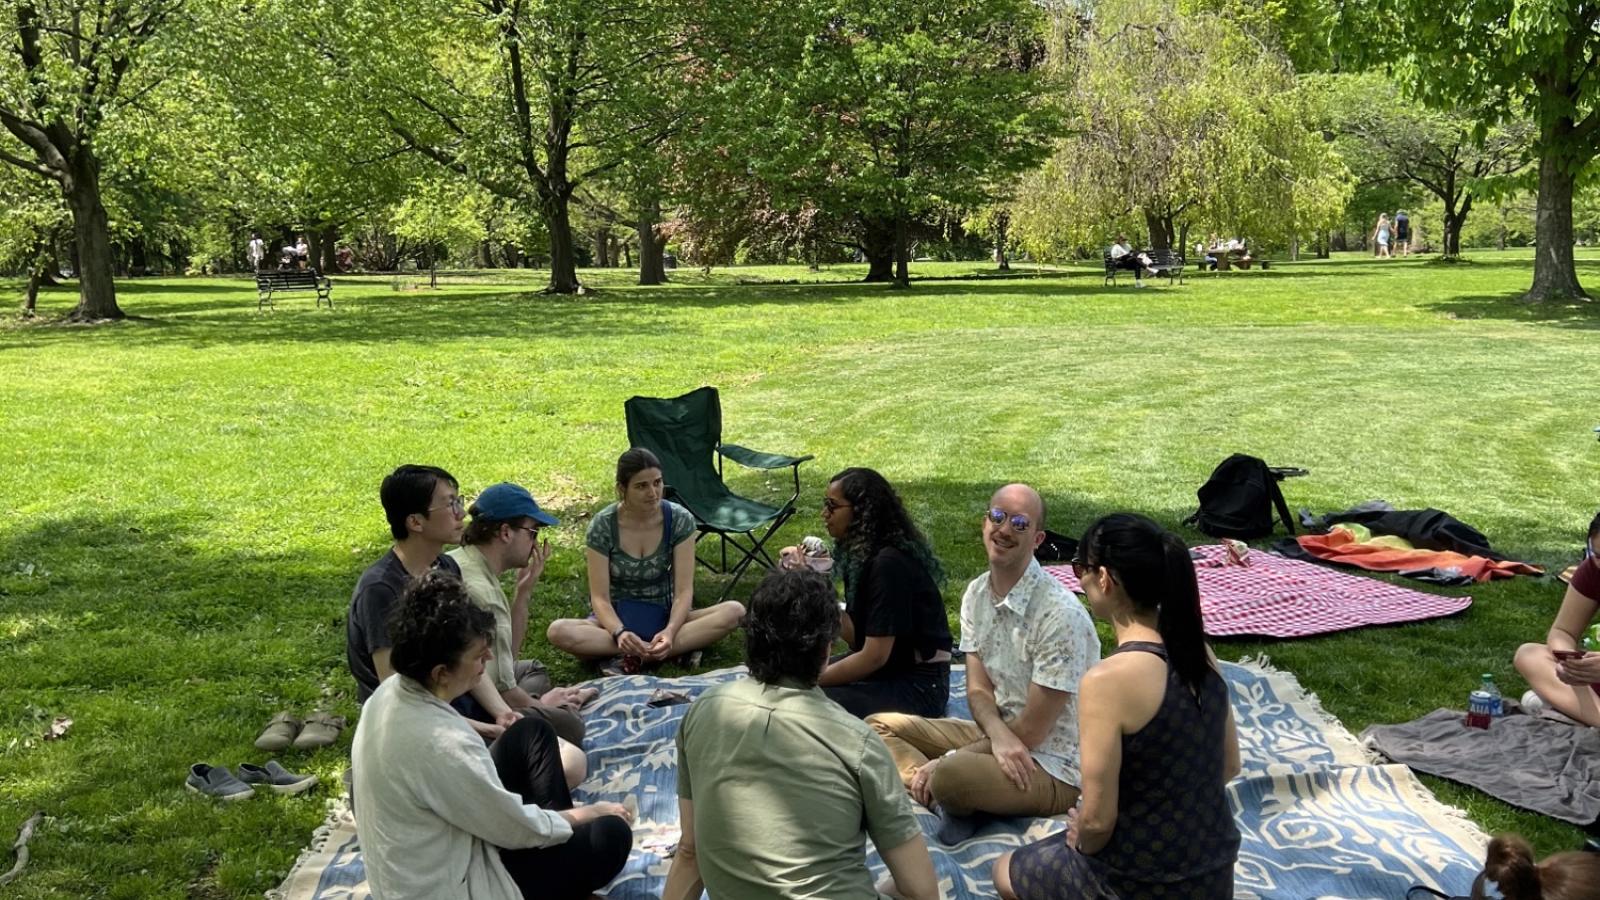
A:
[1157,737]
[1509,873]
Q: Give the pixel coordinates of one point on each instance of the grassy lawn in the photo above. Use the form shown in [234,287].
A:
[191,495]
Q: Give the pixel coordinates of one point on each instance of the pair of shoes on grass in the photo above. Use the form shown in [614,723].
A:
[218,782]
[284,731]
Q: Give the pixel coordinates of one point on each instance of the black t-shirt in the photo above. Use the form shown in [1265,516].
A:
[897,598]
[367,627]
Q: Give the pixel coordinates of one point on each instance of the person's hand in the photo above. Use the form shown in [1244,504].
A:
[508,718]
[606,808]
[791,558]
[1584,670]
[563,697]
[661,647]
[1072,828]
[629,644]
[528,575]
[489,731]
[922,782]
[1014,759]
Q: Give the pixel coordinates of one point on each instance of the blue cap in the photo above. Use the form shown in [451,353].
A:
[506,501]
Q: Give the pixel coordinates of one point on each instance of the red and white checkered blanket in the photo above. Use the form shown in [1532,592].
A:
[1277,597]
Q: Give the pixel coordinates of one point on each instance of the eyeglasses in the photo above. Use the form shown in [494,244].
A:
[532,530]
[1019,522]
[1080,567]
[831,506]
[456,504]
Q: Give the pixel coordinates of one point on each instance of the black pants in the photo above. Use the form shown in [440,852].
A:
[1129,261]
[529,763]
[924,693]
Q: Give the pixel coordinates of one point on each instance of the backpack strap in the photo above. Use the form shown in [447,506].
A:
[1281,505]
[666,541]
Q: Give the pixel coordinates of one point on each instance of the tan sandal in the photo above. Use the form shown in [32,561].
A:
[279,733]
[321,729]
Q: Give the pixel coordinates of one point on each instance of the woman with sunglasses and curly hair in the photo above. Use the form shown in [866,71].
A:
[894,619]
[1156,735]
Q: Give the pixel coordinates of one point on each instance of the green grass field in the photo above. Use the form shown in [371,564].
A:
[190,496]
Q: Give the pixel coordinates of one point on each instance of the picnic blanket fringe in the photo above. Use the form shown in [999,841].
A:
[1339,737]
[338,808]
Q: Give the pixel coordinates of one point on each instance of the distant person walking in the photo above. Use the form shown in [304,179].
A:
[303,251]
[1402,232]
[1380,235]
[256,251]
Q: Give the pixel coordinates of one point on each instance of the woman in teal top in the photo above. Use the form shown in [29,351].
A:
[641,578]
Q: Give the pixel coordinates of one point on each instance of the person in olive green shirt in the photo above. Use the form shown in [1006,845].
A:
[778,786]
[504,535]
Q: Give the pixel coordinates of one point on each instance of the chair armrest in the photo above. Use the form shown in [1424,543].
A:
[754,459]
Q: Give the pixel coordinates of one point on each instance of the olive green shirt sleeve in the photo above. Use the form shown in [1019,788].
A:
[886,807]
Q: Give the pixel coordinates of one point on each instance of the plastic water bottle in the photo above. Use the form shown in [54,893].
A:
[1496,706]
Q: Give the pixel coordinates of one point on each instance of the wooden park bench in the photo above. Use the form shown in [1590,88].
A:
[1162,262]
[273,281]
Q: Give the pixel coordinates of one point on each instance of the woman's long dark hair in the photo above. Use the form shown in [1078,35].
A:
[878,521]
[1154,568]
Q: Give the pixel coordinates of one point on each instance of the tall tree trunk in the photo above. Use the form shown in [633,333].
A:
[651,268]
[330,250]
[485,255]
[1002,226]
[902,252]
[1555,277]
[877,243]
[627,255]
[563,255]
[512,255]
[313,248]
[138,257]
[97,292]
[30,300]
[602,247]
[1324,238]
[1161,231]
[1453,220]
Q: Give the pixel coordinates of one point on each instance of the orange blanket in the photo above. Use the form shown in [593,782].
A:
[1341,546]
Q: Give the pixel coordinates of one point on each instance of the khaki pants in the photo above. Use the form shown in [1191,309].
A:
[971,780]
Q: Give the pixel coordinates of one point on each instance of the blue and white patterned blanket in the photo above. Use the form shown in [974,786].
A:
[1317,818]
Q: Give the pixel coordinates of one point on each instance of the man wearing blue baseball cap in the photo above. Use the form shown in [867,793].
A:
[504,535]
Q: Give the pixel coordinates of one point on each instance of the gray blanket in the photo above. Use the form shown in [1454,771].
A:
[1542,764]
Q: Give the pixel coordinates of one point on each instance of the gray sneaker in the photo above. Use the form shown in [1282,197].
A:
[216,781]
[276,778]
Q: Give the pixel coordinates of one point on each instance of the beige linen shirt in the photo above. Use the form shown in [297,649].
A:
[1041,634]
[432,814]
[484,587]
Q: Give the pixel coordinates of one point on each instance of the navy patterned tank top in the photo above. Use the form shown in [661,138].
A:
[1173,817]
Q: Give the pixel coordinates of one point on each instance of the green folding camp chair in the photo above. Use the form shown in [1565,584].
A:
[686,433]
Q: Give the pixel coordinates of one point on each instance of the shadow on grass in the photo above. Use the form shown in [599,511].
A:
[1511,308]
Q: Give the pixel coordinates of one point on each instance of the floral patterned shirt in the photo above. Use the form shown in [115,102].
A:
[1039,633]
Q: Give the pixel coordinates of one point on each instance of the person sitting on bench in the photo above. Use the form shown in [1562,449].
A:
[1123,257]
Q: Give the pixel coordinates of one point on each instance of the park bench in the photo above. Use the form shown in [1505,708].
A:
[1162,262]
[275,281]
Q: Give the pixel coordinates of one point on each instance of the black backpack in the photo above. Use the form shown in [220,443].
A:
[1238,499]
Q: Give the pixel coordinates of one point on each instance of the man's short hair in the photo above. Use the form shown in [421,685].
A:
[483,531]
[407,491]
[794,619]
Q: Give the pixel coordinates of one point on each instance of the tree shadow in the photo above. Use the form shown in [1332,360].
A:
[1510,307]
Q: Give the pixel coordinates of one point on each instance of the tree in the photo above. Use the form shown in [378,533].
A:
[876,112]
[1441,152]
[1541,56]
[529,98]
[1162,139]
[69,68]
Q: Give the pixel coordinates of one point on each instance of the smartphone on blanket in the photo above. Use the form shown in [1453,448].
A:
[1569,654]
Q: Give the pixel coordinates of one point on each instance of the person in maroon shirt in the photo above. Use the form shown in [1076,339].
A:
[1569,685]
